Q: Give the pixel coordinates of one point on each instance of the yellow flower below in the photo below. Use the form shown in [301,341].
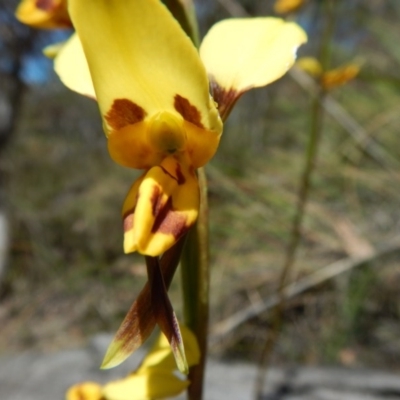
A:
[154,379]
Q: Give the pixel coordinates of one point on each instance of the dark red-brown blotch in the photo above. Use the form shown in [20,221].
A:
[124,112]
[188,111]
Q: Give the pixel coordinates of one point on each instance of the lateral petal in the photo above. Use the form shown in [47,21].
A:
[71,66]
[240,54]
[137,52]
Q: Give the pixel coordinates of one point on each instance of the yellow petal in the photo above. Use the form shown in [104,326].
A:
[154,384]
[71,66]
[44,14]
[160,207]
[241,54]
[138,53]
[84,391]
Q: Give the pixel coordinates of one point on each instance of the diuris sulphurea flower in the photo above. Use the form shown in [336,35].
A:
[162,104]
[153,87]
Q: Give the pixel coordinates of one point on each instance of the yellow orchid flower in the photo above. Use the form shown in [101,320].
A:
[153,92]
[332,78]
[154,379]
[152,87]
[47,14]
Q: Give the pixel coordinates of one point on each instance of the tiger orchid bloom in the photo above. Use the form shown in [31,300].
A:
[46,14]
[153,90]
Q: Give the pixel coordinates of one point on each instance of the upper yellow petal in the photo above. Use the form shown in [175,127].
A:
[137,52]
[240,54]
[71,66]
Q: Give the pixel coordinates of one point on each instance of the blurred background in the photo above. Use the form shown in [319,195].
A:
[63,274]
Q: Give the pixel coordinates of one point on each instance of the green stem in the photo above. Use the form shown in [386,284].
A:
[317,113]
[195,286]
[195,256]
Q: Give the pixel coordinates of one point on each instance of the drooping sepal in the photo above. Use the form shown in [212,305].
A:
[164,313]
[140,321]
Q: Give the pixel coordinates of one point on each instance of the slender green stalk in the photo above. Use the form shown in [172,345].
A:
[317,113]
[195,256]
[195,280]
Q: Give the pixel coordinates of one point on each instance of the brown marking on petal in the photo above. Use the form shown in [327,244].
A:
[167,173]
[124,112]
[156,200]
[46,5]
[128,220]
[188,111]
[170,222]
[181,178]
[225,98]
